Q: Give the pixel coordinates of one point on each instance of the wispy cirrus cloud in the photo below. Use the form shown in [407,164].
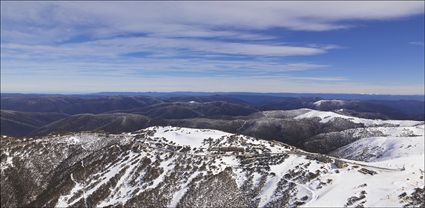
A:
[183,39]
[166,46]
[199,19]
[75,84]
[417,43]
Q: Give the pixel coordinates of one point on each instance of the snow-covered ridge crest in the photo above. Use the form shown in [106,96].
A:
[187,136]
[334,102]
[327,116]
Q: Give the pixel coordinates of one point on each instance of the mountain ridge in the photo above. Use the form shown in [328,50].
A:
[173,166]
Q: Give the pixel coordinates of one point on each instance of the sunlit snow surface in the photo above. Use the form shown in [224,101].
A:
[327,116]
[383,190]
[184,136]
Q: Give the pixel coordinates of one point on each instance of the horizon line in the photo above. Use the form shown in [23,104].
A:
[205,92]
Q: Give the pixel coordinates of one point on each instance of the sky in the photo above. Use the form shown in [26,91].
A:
[252,46]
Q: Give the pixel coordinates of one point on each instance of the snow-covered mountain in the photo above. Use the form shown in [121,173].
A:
[327,116]
[353,129]
[184,167]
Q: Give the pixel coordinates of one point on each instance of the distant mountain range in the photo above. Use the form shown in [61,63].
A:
[27,115]
[266,117]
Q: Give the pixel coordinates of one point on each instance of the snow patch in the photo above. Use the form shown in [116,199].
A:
[334,102]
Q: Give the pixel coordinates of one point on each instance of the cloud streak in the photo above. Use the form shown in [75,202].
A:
[417,43]
[208,84]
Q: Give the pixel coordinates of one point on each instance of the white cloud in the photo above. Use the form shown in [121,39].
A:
[166,23]
[319,78]
[132,67]
[417,43]
[199,19]
[151,43]
[163,54]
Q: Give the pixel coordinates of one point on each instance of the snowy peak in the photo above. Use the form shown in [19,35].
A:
[186,136]
[212,140]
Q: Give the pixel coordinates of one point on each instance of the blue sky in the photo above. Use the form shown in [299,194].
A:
[327,47]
